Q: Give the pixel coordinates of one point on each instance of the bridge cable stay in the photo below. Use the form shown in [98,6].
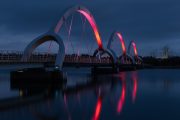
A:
[83,20]
[84,32]
[84,26]
[91,47]
[69,33]
[66,43]
[69,30]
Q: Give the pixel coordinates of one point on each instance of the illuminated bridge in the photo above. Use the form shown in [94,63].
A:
[101,55]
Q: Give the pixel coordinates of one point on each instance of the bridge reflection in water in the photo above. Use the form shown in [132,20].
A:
[83,101]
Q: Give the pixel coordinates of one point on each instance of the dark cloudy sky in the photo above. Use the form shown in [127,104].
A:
[151,23]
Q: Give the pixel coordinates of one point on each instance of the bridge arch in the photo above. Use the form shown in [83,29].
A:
[86,13]
[119,35]
[132,45]
[44,38]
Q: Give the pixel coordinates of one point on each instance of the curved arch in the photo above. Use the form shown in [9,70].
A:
[133,44]
[44,38]
[86,13]
[118,34]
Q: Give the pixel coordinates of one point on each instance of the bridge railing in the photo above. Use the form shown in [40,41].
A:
[15,57]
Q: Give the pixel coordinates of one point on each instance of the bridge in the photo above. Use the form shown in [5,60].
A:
[102,56]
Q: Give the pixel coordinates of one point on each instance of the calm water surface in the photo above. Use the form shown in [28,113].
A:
[138,95]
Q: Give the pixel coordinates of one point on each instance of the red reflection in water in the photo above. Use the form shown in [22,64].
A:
[121,100]
[134,92]
[123,93]
[98,109]
[66,107]
[65,100]
[78,98]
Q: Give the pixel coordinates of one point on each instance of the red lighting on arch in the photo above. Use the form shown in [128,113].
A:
[90,19]
[135,49]
[122,42]
[94,27]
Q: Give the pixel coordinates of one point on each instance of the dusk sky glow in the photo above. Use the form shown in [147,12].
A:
[151,24]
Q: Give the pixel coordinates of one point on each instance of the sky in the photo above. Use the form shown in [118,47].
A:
[152,24]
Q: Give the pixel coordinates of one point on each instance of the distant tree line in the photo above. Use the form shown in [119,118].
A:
[171,61]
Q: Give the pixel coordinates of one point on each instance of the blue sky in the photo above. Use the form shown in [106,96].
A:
[151,23]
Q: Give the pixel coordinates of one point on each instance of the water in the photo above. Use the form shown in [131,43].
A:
[141,95]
